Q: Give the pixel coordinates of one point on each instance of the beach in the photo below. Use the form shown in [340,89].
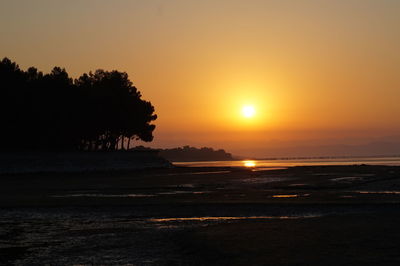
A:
[309,215]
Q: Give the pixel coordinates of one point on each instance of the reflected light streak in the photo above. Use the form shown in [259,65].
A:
[285,196]
[211,218]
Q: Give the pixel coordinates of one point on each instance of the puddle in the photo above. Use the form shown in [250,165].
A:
[201,192]
[87,195]
[182,186]
[346,179]
[290,195]
[106,195]
[297,185]
[228,218]
[182,192]
[175,192]
[268,169]
[286,196]
[83,191]
[378,192]
[263,180]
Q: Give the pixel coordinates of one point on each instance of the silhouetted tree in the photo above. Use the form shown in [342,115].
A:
[52,111]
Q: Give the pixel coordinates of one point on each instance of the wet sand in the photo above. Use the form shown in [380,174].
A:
[325,215]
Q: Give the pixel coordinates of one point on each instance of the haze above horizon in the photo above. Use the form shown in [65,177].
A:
[312,74]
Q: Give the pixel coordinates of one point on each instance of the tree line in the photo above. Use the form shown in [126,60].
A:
[100,110]
[187,153]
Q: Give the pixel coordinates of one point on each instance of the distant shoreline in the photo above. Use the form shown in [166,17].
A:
[317,157]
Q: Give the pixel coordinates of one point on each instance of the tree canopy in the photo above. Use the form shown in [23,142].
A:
[97,111]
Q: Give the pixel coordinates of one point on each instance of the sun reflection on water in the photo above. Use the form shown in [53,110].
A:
[249,163]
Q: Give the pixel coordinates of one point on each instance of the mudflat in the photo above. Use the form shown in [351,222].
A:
[325,215]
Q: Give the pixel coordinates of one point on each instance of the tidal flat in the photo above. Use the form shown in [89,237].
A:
[311,215]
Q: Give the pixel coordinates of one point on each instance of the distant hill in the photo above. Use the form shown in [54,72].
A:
[187,154]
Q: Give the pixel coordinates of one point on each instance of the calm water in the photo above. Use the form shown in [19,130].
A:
[294,162]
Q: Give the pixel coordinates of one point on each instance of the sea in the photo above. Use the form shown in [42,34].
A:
[290,162]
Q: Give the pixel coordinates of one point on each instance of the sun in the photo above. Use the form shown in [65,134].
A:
[248,111]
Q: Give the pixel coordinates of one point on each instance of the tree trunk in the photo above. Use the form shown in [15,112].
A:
[129,142]
[89,145]
[122,142]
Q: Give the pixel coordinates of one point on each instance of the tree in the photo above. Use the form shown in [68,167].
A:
[115,110]
[54,112]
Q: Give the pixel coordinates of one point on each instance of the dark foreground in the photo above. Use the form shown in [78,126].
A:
[335,215]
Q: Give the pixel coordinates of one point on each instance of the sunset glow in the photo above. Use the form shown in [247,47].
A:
[256,78]
[184,132]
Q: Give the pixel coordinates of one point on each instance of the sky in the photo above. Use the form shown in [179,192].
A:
[318,73]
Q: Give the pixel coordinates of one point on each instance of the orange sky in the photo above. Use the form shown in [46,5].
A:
[316,71]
